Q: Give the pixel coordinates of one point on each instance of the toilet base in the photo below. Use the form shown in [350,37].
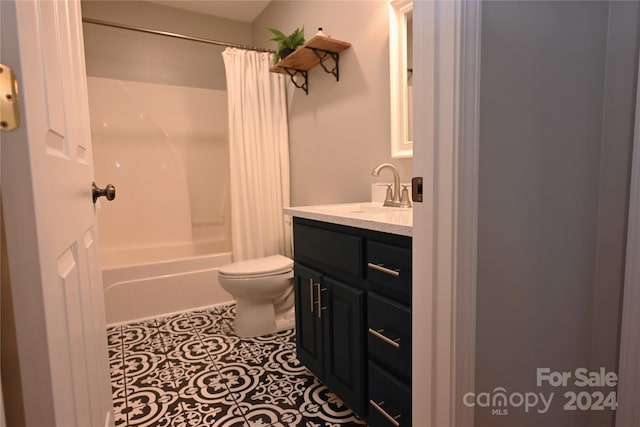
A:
[286,320]
[254,319]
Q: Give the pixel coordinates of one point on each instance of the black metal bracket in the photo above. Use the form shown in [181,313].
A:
[292,72]
[322,55]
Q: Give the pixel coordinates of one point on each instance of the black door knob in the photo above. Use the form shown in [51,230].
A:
[109,192]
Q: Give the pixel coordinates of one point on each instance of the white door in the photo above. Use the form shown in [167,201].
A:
[50,220]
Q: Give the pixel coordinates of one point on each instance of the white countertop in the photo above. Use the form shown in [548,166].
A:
[370,216]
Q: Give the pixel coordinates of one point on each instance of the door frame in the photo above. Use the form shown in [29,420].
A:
[447,53]
[628,413]
[447,40]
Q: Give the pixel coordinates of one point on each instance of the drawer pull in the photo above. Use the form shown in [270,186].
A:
[378,334]
[311,294]
[382,268]
[378,407]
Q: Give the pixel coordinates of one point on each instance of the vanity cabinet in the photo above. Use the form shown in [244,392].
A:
[330,315]
[330,339]
[353,316]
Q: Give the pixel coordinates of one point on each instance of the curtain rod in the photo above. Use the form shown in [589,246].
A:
[174,35]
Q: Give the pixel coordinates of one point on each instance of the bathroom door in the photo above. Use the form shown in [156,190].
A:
[50,220]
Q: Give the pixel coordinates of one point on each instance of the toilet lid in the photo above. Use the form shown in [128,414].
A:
[271,265]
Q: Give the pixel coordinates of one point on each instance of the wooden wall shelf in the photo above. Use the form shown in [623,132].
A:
[314,52]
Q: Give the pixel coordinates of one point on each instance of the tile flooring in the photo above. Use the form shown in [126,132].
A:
[192,370]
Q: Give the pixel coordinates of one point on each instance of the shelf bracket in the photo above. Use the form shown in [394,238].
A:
[322,55]
[292,72]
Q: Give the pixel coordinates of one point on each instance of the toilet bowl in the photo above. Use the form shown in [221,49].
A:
[263,290]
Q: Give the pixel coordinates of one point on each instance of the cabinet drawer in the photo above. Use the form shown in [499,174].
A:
[389,270]
[389,399]
[337,250]
[389,335]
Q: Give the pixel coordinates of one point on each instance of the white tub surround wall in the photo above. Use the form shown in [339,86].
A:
[163,237]
[165,150]
[133,153]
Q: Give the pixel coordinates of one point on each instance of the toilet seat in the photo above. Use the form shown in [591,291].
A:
[256,268]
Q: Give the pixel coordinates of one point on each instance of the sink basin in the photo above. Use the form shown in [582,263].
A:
[362,208]
[369,207]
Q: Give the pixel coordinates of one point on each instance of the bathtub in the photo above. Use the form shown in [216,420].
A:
[151,282]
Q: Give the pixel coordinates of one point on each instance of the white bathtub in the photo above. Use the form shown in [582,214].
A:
[151,282]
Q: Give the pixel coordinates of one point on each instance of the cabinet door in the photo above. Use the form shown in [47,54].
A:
[344,338]
[308,322]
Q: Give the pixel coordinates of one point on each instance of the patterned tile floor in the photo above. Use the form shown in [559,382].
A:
[192,370]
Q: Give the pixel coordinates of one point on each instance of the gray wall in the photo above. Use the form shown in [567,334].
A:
[557,95]
[341,130]
[128,55]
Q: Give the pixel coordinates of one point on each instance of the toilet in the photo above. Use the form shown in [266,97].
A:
[263,290]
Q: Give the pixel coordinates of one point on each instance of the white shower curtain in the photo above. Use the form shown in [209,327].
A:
[259,155]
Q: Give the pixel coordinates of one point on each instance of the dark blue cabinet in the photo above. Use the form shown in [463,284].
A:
[309,339]
[345,343]
[353,316]
[330,333]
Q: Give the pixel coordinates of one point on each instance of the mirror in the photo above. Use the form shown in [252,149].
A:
[401,75]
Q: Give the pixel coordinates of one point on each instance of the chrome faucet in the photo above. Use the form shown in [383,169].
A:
[393,198]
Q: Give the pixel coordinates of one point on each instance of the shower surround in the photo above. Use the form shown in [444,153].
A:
[165,149]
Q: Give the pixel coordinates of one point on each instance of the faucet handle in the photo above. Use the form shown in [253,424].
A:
[405,200]
[389,196]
